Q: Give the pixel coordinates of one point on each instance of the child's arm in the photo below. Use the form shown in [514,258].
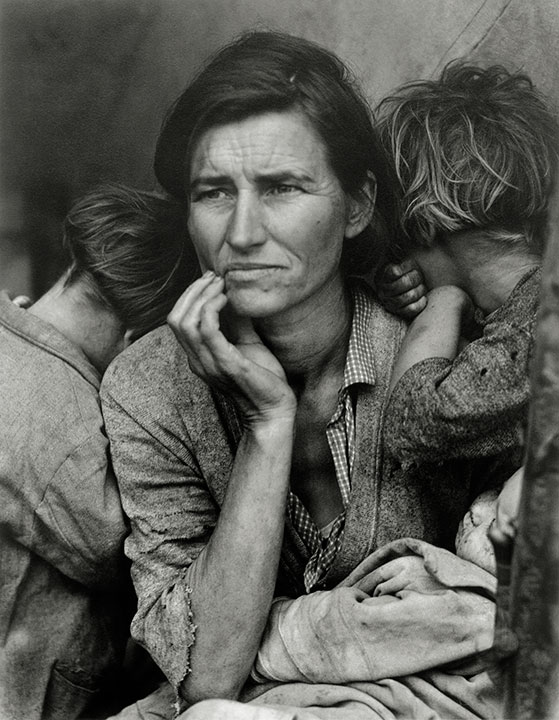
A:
[504,529]
[435,332]
[471,406]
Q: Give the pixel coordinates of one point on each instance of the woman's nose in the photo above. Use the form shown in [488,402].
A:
[246,226]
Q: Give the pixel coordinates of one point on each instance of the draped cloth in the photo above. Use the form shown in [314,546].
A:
[406,635]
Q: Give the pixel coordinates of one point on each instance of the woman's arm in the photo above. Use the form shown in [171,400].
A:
[199,605]
[234,576]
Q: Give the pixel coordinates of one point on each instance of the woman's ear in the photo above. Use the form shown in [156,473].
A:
[361,207]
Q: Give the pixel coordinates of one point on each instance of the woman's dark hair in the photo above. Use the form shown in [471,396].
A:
[130,249]
[269,71]
[475,149]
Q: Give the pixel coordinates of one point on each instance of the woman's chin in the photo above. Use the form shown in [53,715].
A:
[254,304]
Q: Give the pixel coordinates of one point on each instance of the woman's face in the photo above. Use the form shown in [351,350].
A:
[267,212]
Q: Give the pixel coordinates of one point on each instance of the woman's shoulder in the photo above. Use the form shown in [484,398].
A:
[375,319]
[155,366]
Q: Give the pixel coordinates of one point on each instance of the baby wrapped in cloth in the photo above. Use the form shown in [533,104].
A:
[406,635]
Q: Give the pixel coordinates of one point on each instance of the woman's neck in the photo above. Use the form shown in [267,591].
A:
[311,341]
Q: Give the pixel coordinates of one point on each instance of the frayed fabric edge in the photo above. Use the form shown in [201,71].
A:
[180,705]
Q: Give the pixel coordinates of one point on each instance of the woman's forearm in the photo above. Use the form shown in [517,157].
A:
[234,577]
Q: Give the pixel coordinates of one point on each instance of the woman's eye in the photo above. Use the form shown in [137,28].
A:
[283,189]
[210,194]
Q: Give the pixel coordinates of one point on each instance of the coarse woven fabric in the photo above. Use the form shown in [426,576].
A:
[63,619]
[340,433]
[404,636]
[173,442]
[476,405]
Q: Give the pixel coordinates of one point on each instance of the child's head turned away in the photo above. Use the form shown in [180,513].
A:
[472,541]
[473,150]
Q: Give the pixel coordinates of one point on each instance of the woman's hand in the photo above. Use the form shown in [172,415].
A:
[407,573]
[241,366]
[401,288]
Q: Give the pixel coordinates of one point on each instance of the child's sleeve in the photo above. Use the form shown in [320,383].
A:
[470,407]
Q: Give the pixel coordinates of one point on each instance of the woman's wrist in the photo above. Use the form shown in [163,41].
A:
[273,425]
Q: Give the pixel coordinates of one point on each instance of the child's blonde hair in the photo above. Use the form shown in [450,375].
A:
[475,149]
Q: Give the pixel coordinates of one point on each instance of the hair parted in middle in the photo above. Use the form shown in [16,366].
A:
[266,71]
[475,149]
[130,250]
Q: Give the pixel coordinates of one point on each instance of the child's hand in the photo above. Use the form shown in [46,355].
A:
[22,301]
[401,289]
[503,530]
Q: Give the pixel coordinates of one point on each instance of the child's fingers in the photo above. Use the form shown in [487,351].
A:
[22,301]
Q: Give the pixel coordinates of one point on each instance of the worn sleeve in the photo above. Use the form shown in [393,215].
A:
[78,525]
[474,406]
[171,512]
[442,615]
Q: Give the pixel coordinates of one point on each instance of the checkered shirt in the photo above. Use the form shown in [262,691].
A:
[340,433]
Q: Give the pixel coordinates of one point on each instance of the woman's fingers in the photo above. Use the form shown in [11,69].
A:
[245,367]
[195,317]
[187,302]
[185,318]
[409,310]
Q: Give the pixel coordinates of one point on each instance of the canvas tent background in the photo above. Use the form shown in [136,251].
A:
[85,83]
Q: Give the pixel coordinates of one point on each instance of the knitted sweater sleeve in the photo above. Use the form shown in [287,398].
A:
[171,511]
[472,407]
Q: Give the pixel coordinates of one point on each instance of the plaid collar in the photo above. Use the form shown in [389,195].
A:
[359,364]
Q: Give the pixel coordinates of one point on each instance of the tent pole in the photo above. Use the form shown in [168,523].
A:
[532,682]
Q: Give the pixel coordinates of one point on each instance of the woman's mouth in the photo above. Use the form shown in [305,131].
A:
[249,271]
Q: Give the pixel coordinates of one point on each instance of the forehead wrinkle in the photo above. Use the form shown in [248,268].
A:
[259,152]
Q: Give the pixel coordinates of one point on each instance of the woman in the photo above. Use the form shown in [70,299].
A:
[249,463]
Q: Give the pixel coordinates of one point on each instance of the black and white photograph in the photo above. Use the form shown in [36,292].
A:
[279,360]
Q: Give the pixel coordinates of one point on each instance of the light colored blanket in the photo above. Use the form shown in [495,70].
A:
[404,636]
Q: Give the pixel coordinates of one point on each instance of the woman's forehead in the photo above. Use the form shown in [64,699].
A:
[268,142]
